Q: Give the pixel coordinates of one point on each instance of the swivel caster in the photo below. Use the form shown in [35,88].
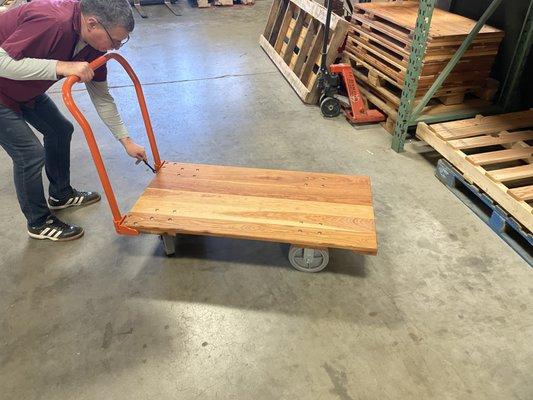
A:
[308,260]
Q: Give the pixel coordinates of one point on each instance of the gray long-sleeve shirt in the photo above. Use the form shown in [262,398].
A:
[41,69]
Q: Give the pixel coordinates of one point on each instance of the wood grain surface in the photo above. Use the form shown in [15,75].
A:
[302,208]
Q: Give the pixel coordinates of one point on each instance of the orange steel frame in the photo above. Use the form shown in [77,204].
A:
[118,218]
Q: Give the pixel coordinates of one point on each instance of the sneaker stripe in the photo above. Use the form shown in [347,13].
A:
[58,234]
[81,200]
[51,233]
[45,231]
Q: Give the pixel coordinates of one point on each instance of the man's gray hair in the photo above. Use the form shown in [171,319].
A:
[110,13]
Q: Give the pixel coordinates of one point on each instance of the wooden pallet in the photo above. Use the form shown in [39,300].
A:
[308,209]
[493,153]
[379,45]
[395,64]
[399,22]
[293,40]
[390,90]
[503,224]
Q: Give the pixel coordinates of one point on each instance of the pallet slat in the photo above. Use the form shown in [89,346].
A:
[512,173]
[483,125]
[379,44]
[522,193]
[486,140]
[495,157]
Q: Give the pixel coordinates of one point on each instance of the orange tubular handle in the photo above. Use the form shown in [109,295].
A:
[118,219]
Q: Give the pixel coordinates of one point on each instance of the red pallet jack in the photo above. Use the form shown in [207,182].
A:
[329,83]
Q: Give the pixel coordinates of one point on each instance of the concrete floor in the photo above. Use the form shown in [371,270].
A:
[443,312]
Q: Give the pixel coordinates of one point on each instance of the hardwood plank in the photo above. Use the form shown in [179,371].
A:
[243,188]
[524,193]
[309,209]
[252,209]
[486,140]
[175,170]
[484,125]
[364,243]
[495,157]
[512,173]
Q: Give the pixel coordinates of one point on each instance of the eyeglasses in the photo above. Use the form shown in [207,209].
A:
[117,44]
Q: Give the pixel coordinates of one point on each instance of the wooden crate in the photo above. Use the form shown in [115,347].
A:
[293,41]
[494,153]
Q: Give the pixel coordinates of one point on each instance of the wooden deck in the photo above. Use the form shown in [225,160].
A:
[301,208]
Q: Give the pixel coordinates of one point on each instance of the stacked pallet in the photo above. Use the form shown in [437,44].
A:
[379,45]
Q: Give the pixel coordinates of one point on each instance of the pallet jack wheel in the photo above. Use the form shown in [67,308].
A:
[308,260]
[330,107]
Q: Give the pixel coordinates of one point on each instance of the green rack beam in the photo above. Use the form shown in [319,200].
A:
[414,67]
[406,115]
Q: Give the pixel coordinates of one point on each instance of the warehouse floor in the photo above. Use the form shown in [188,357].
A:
[443,312]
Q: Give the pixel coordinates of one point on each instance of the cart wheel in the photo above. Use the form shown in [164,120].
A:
[308,260]
[169,242]
[330,107]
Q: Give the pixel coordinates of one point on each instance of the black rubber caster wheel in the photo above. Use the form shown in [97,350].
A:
[330,107]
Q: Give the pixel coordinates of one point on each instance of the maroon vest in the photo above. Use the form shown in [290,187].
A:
[46,29]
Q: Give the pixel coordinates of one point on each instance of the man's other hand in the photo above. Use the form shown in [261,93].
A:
[133,149]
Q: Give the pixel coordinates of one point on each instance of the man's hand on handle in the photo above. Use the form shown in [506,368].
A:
[133,149]
[81,69]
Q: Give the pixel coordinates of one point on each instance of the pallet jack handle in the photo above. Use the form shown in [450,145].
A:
[118,218]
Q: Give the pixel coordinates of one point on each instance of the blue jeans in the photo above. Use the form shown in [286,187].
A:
[29,156]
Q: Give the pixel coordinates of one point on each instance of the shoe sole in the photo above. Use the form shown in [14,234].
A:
[87,203]
[43,237]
